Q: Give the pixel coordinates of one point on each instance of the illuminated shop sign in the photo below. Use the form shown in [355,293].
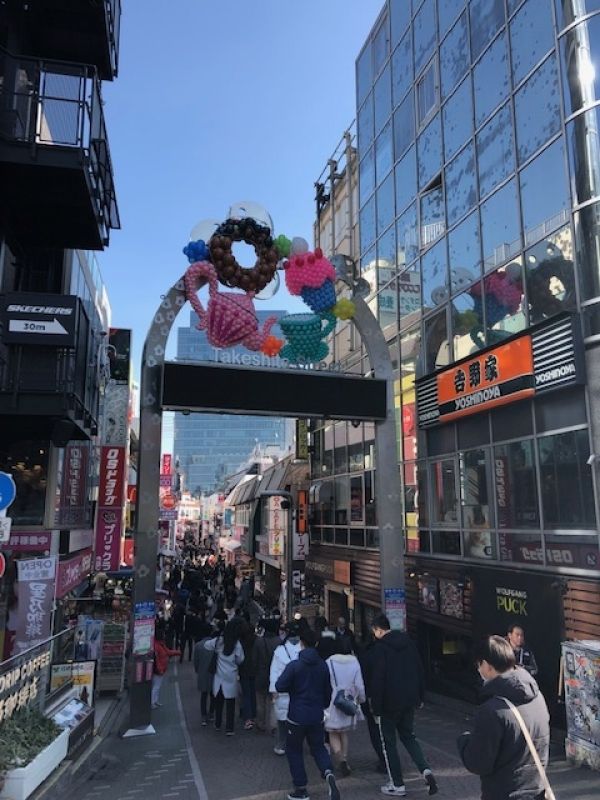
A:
[549,357]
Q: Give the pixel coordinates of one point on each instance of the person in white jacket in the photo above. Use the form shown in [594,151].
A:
[230,655]
[345,673]
[286,652]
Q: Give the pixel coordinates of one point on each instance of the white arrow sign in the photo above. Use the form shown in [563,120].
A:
[36,326]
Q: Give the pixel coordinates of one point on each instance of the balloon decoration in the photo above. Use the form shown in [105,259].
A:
[230,317]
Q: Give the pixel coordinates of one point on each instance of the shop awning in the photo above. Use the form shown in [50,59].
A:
[232,545]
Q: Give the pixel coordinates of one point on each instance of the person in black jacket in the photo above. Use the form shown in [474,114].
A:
[496,750]
[365,658]
[308,683]
[523,655]
[397,685]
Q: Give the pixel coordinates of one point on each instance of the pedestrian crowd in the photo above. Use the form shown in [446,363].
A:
[315,684]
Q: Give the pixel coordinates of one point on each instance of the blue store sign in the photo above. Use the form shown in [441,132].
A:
[8,490]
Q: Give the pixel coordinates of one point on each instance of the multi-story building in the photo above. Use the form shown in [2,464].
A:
[207,448]
[57,205]
[479,235]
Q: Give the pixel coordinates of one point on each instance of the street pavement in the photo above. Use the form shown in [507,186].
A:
[185,760]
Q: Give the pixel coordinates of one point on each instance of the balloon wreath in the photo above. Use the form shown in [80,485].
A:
[230,318]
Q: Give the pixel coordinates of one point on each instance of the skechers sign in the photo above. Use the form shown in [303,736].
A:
[46,319]
[549,357]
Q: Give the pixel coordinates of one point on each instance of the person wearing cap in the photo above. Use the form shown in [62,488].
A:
[285,653]
[307,682]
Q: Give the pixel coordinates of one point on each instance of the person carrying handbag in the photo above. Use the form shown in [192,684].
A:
[348,693]
[508,747]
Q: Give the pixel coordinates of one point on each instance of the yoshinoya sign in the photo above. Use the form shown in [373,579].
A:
[549,357]
[46,319]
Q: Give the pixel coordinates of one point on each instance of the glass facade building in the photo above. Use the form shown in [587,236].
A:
[211,446]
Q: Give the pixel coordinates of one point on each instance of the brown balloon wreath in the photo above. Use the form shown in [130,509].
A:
[229,271]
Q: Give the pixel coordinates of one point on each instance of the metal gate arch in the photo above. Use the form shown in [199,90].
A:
[387,474]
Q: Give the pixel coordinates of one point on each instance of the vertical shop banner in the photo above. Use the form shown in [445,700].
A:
[301,533]
[277,526]
[36,582]
[72,572]
[72,510]
[302,439]
[119,354]
[116,414]
[111,497]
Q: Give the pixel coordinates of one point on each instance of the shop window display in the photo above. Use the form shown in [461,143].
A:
[474,482]
[567,491]
[551,276]
[516,485]
[479,544]
[443,490]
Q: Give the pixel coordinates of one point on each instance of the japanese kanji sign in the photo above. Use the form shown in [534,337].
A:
[36,582]
[109,521]
[22,682]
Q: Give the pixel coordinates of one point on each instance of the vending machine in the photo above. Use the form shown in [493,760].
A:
[582,701]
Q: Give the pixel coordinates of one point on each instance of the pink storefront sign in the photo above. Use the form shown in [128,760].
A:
[29,542]
[108,539]
[72,572]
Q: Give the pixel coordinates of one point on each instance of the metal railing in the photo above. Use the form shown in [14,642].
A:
[58,104]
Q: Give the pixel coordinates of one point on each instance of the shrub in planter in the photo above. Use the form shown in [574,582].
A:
[23,737]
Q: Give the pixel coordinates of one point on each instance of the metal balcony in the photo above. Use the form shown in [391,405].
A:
[56,177]
[77,30]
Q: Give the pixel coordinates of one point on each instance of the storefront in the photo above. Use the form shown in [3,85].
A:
[331,584]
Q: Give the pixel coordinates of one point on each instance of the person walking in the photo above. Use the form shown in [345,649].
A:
[162,654]
[225,682]
[397,688]
[523,655]
[248,675]
[190,629]
[497,749]
[204,678]
[325,638]
[345,676]
[343,631]
[262,656]
[286,652]
[365,657]
[307,683]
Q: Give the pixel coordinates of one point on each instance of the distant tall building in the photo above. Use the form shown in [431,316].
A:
[211,446]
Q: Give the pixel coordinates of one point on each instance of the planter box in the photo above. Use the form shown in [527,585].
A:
[23,781]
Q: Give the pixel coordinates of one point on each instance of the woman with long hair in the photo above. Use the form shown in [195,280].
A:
[345,674]
[225,682]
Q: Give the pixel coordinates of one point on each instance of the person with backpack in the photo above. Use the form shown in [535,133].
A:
[285,653]
[345,707]
[162,654]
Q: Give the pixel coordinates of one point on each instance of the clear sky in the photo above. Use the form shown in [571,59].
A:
[219,101]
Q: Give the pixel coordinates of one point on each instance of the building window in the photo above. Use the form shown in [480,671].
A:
[365,125]
[434,276]
[474,481]
[531,36]
[443,488]
[433,216]
[406,179]
[468,330]
[381,46]
[445,543]
[495,151]
[587,242]
[367,225]
[424,30]
[357,500]
[491,80]
[384,152]
[454,56]
[364,73]
[504,303]
[580,50]
[370,506]
[402,69]
[461,192]
[464,251]
[406,237]
[567,491]
[458,119]
[27,461]
[426,94]
[567,11]
[500,227]
[537,110]
[437,344]
[367,176]
[404,125]
[447,13]
[383,99]
[550,276]
[515,485]
[545,194]
[385,204]
[487,17]
[521,548]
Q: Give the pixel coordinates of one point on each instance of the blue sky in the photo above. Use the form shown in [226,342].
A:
[219,101]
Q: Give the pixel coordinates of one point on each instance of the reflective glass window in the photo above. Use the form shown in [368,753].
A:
[454,56]
[386,247]
[479,543]
[404,125]
[491,80]
[400,17]
[368,261]
[429,148]
[409,290]
[434,276]
[487,17]
[444,494]
[26,461]
[367,225]
[587,240]
[467,322]
[406,180]
[436,351]
[365,125]
[383,99]
[566,479]
[544,193]
[531,36]
[367,176]
[583,137]
[458,119]
[447,13]
[461,192]
[406,235]
[370,501]
[426,94]
[504,304]
[571,550]
[381,45]
[495,151]
[432,216]
[446,543]
[537,110]
[475,496]
[364,74]
[384,152]
[500,227]
[567,11]
[424,33]
[385,204]
[516,485]
[580,59]
[402,68]
[342,500]
[550,276]
[464,253]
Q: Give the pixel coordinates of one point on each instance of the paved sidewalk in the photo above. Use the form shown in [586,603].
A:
[187,761]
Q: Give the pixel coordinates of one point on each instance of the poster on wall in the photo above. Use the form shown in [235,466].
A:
[36,586]
[429,593]
[452,599]
[395,608]
[143,628]
[81,673]
[88,639]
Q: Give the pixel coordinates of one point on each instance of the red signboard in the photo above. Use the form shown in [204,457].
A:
[166,464]
[109,522]
[128,552]
[72,572]
[112,477]
[168,501]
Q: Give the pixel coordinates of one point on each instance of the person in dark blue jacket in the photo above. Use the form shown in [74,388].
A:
[308,684]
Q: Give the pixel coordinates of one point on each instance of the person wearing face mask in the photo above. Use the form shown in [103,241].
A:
[523,655]
[496,749]
[287,652]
